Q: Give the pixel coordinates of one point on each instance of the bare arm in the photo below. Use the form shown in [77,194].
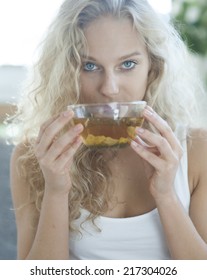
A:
[48,237]
[44,235]
[186,235]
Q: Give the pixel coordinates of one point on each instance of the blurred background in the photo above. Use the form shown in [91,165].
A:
[22,25]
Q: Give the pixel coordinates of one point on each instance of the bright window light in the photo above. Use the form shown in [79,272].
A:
[161,6]
[23,23]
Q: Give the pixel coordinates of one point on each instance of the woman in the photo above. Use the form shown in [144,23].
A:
[138,202]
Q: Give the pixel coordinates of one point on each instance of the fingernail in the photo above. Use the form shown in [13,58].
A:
[140,130]
[67,113]
[149,108]
[147,113]
[78,127]
[134,144]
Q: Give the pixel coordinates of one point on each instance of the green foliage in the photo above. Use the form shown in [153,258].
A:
[190,18]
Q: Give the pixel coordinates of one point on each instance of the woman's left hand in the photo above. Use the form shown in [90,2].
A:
[162,158]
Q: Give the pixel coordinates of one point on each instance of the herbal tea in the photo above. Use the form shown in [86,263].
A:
[106,132]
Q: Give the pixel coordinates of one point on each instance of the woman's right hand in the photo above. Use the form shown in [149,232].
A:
[55,154]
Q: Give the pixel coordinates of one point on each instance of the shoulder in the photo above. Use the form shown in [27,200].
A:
[197,150]
[25,210]
[23,152]
[197,157]
[19,178]
[19,184]
[18,151]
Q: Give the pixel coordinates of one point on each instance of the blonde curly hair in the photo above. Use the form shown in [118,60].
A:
[55,84]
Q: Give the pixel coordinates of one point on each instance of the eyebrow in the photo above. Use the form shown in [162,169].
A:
[129,55]
[121,58]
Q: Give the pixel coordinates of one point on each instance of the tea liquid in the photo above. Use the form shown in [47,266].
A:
[108,132]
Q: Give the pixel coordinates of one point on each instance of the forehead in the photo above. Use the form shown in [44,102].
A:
[112,38]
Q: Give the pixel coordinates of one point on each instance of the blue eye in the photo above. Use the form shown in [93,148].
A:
[129,64]
[89,66]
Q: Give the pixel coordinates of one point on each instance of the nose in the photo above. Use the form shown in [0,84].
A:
[109,84]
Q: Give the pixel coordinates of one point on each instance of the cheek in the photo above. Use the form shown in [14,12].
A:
[138,85]
[87,88]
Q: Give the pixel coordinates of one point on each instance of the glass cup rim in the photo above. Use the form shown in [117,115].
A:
[141,102]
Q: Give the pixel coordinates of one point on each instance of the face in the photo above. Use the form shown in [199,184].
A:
[117,65]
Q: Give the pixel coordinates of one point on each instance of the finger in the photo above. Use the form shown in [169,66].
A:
[160,124]
[65,158]
[163,128]
[148,168]
[44,126]
[153,149]
[150,157]
[158,141]
[140,141]
[51,130]
[63,143]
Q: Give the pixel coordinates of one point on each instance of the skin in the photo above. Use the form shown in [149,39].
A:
[115,71]
[118,70]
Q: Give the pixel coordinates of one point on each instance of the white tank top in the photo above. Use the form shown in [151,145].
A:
[132,238]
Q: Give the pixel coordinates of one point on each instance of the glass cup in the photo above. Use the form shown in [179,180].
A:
[108,124]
